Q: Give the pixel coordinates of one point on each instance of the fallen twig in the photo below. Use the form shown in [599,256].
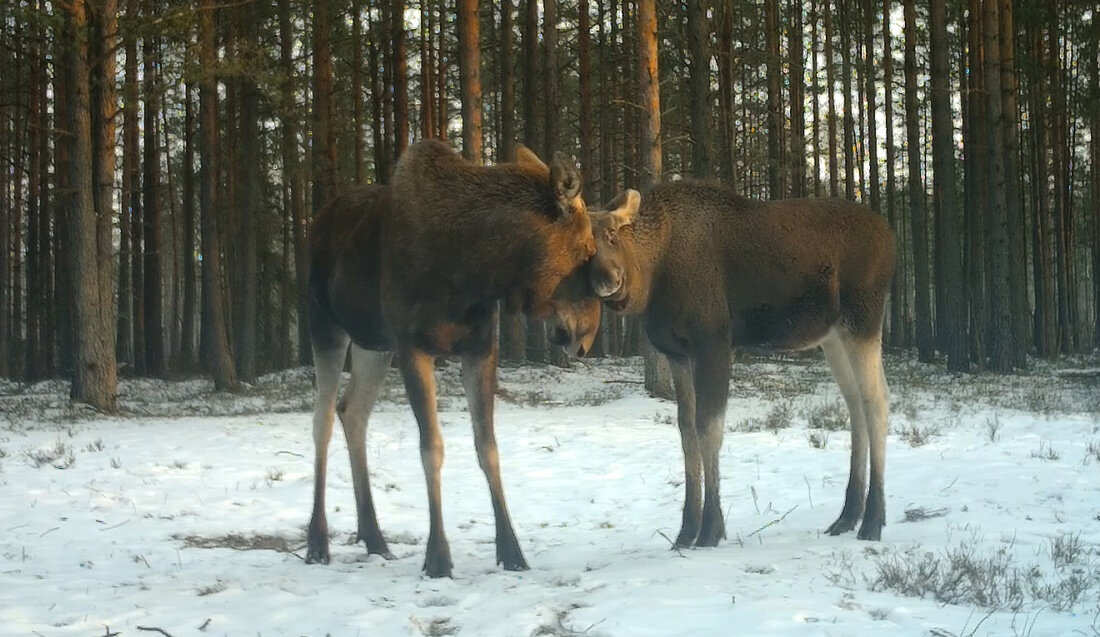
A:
[773,522]
[155,629]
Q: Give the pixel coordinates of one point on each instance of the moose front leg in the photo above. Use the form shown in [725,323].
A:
[683,381]
[417,370]
[711,379]
[479,379]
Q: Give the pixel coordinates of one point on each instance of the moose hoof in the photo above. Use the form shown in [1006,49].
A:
[871,532]
[686,538]
[438,563]
[714,529]
[377,546]
[871,529]
[512,559]
[317,553]
[843,524]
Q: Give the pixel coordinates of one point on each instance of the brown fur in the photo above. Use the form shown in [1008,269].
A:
[417,269]
[707,269]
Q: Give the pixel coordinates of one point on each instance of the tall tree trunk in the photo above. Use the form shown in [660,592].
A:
[35,179]
[776,187]
[815,138]
[187,360]
[846,90]
[1001,338]
[830,84]
[584,50]
[658,376]
[530,72]
[427,69]
[943,135]
[699,48]
[153,308]
[441,117]
[550,76]
[131,318]
[400,78]
[896,287]
[324,132]
[95,379]
[65,204]
[357,90]
[798,107]
[872,115]
[377,89]
[292,175]
[6,247]
[216,340]
[1017,243]
[1046,306]
[469,64]
[249,196]
[1060,171]
[513,333]
[918,210]
[725,93]
[1093,112]
[974,136]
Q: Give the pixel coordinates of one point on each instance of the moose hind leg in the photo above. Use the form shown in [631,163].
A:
[711,380]
[479,379]
[837,355]
[417,370]
[866,358]
[693,462]
[328,362]
[368,373]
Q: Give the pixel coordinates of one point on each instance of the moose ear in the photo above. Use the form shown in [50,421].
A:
[525,157]
[624,208]
[565,182]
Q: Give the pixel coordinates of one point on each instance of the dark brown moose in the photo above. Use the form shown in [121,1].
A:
[706,269]
[416,270]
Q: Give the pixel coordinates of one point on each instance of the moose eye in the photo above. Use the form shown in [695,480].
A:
[612,236]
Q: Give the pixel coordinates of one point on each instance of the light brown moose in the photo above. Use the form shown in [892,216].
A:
[707,269]
[417,269]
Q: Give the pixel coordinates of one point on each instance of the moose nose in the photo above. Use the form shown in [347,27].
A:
[608,284]
[559,336]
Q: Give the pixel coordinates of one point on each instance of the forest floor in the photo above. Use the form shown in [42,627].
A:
[185,515]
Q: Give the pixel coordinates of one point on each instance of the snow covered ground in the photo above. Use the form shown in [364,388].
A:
[187,513]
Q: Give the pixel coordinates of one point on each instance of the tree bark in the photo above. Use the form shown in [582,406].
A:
[324,133]
[830,83]
[216,341]
[846,90]
[95,379]
[427,70]
[150,181]
[943,135]
[872,116]
[469,62]
[658,376]
[400,78]
[584,50]
[1017,244]
[896,289]
[1002,357]
[798,107]
[249,197]
[187,359]
[725,94]
[699,48]
[776,186]
[550,77]
[918,209]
